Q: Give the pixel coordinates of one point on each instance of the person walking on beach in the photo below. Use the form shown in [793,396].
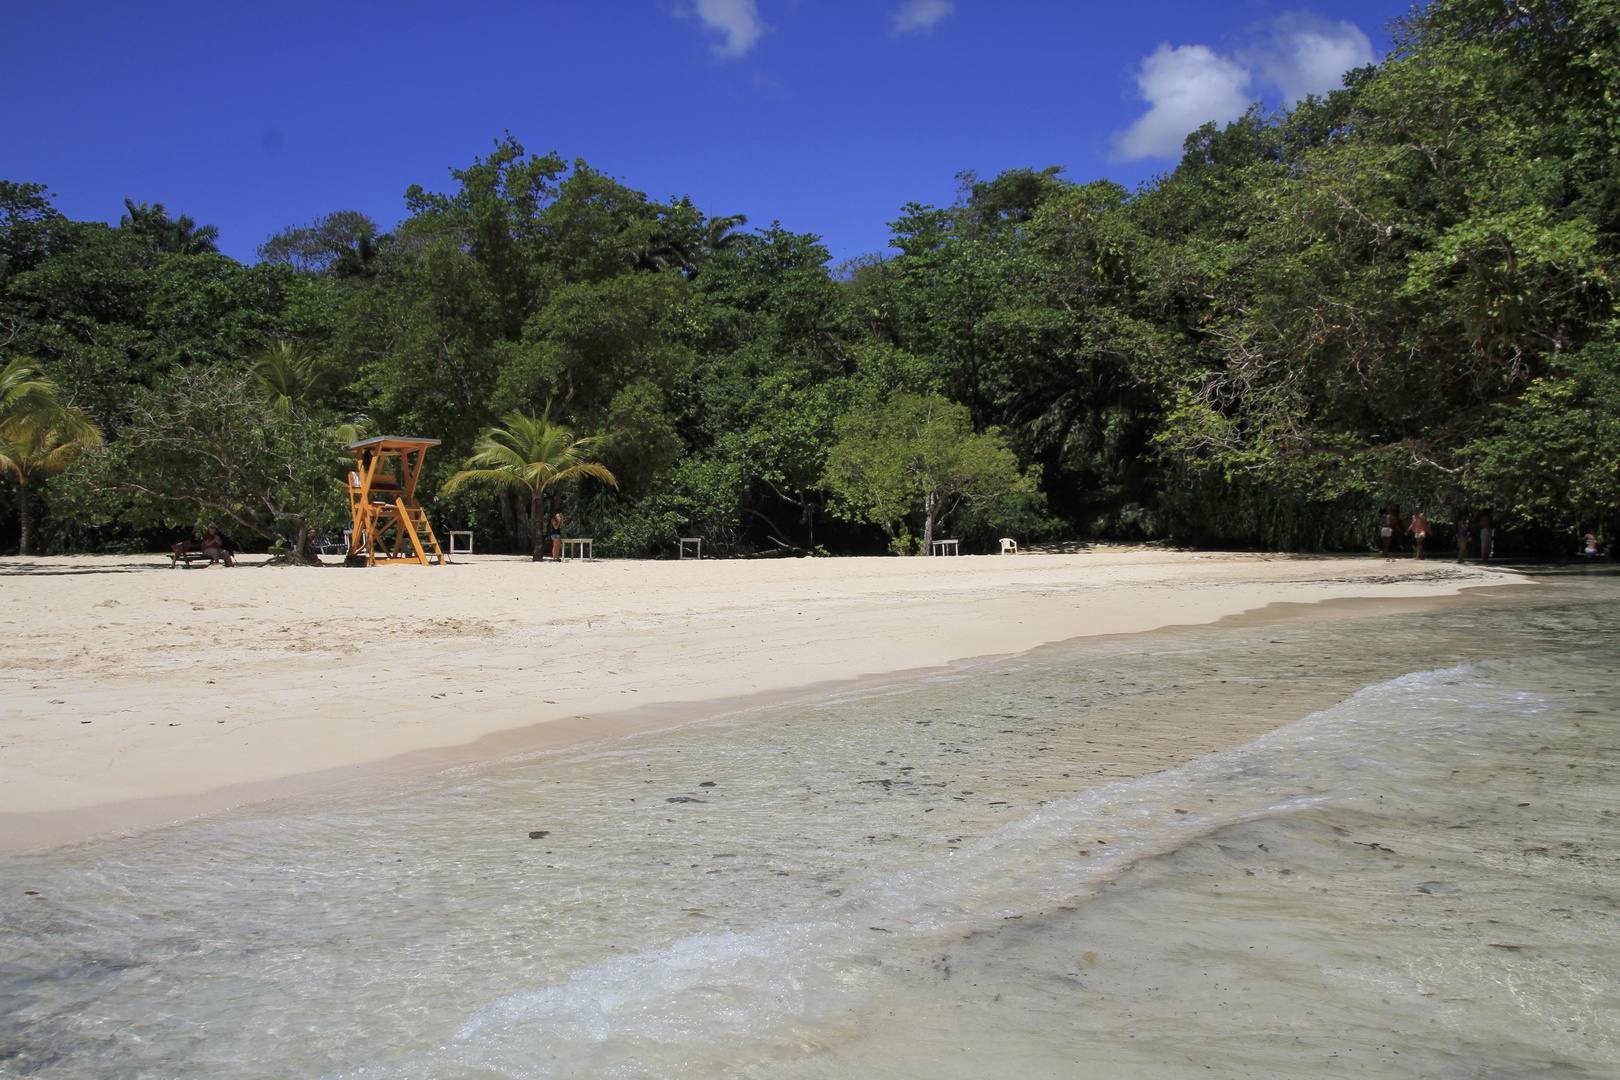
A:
[1420,529]
[1462,537]
[1386,529]
[1487,537]
[556,536]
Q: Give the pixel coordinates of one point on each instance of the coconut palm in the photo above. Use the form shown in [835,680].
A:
[179,236]
[530,452]
[40,444]
[720,234]
[24,390]
[39,435]
[290,373]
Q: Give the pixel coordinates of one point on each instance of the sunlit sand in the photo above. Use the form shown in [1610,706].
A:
[135,694]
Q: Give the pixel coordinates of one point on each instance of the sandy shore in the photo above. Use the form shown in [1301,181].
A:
[135,694]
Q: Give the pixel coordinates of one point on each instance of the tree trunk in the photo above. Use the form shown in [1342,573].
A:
[22,515]
[512,518]
[930,511]
[536,517]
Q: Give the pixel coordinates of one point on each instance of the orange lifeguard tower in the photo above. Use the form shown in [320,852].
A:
[390,528]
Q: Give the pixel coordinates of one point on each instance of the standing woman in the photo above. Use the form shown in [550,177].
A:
[556,537]
[1487,537]
[1386,529]
[1462,537]
[1420,529]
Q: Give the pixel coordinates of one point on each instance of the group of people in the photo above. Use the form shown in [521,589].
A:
[1420,530]
[211,545]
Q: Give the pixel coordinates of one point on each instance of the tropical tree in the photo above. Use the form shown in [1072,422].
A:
[39,436]
[176,236]
[720,233]
[208,442]
[290,374]
[917,453]
[342,243]
[24,390]
[530,452]
[34,447]
[1553,455]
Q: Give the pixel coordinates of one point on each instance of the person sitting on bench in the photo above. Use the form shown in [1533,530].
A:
[213,546]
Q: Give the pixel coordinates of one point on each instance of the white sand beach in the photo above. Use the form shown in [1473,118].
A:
[135,694]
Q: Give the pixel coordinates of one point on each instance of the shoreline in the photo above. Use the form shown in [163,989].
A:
[23,831]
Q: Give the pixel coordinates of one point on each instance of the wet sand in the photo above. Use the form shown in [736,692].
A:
[136,695]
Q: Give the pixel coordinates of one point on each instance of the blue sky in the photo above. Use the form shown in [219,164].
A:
[825,115]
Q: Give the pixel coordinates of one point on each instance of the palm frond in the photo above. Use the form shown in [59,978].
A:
[529,451]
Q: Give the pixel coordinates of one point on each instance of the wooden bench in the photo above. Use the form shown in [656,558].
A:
[184,552]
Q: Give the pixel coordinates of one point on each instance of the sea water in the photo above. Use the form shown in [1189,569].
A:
[961,875]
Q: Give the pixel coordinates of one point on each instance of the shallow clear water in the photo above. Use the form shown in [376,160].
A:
[932,877]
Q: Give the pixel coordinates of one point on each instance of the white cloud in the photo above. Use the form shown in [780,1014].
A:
[737,20]
[1307,54]
[1185,87]
[920,16]
[1298,53]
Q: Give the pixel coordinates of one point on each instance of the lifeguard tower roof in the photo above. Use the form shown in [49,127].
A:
[393,442]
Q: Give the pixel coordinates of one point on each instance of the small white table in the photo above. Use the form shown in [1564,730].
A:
[947,547]
[582,549]
[697,546]
[452,534]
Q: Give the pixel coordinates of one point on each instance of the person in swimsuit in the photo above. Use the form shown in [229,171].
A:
[556,536]
[1462,538]
[1420,529]
[1386,529]
[1487,537]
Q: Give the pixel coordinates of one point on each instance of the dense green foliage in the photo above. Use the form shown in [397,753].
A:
[1402,293]
[536,455]
[914,454]
[39,435]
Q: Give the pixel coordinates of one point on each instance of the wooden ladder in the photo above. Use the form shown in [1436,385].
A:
[415,522]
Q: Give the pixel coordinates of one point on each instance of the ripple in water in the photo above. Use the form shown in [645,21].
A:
[1418,881]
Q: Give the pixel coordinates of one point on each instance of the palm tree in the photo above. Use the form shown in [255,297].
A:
[35,446]
[186,237]
[181,236]
[719,234]
[529,452]
[24,389]
[38,434]
[289,373]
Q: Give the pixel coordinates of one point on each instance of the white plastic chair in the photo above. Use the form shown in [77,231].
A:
[1009,546]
